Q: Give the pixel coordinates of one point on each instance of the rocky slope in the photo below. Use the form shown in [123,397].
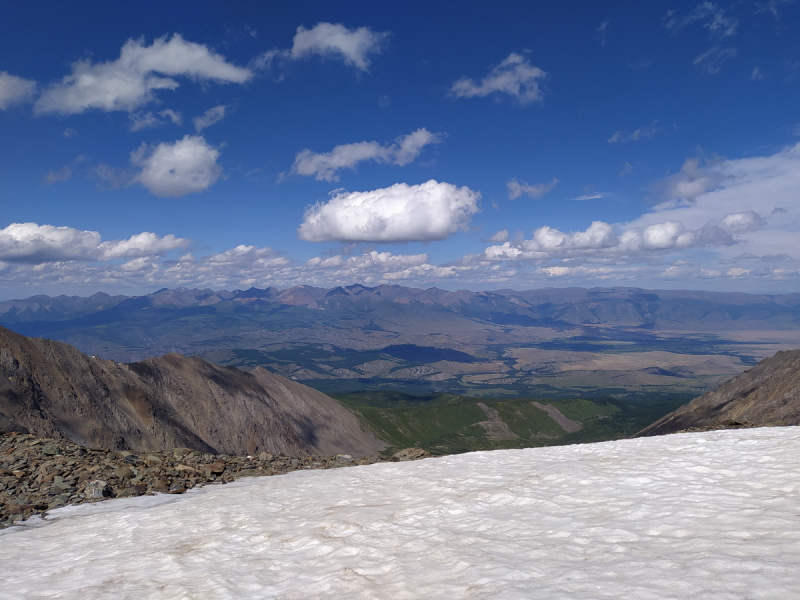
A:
[39,474]
[50,389]
[767,394]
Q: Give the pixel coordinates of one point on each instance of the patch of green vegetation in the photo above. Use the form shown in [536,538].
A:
[451,424]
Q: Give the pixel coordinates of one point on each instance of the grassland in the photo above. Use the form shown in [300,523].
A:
[451,424]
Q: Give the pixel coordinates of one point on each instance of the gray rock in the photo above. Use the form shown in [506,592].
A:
[97,490]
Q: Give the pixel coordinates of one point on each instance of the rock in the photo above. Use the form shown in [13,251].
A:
[97,490]
[49,450]
[345,458]
[411,454]
[217,468]
[123,472]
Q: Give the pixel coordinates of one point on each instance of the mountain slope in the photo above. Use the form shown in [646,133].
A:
[766,394]
[51,389]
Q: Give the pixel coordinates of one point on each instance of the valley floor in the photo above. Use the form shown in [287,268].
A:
[696,515]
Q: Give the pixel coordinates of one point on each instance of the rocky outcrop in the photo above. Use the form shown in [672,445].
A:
[50,389]
[38,475]
[767,394]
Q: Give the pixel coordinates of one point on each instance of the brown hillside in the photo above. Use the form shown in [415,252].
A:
[50,389]
[769,393]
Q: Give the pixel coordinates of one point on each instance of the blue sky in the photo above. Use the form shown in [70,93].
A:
[515,145]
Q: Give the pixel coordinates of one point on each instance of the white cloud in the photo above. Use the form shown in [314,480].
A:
[515,76]
[713,211]
[331,40]
[130,82]
[601,33]
[63,174]
[323,166]
[592,196]
[602,239]
[173,115]
[712,60]
[209,118]
[34,243]
[713,17]
[353,46]
[186,166]
[148,120]
[518,188]
[15,90]
[499,237]
[622,137]
[399,213]
[143,120]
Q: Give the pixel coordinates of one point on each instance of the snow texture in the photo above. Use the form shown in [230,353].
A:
[703,515]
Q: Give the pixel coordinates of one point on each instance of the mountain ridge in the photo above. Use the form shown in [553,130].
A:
[51,389]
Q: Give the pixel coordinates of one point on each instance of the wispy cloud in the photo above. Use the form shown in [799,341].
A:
[514,77]
[623,137]
[15,90]
[209,118]
[354,47]
[601,33]
[324,166]
[131,81]
[517,188]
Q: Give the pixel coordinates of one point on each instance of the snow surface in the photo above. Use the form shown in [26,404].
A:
[703,515]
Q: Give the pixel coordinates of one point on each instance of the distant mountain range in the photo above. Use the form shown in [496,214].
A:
[553,341]
[50,389]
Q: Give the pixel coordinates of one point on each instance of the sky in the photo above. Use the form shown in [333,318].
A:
[471,146]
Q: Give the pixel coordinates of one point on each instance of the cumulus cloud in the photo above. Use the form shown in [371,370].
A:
[601,239]
[399,213]
[331,40]
[515,76]
[209,118]
[323,166]
[15,90]
[184,167]
[710,212]
[130,82]
[34,243]
[622,137]
[692,181]
[517,188]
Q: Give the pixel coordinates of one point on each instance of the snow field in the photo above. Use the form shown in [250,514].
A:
[701,515]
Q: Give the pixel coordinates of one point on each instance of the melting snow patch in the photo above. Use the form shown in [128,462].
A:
[703,515]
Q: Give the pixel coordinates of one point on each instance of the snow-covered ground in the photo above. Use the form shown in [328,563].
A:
[703,515]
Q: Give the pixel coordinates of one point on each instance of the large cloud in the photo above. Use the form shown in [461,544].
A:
[130,82]
[331,40]
[34,243]
[515,76]
[14,90]
[400,213]
[346,156]
[740,210]
[600,239]
[183,167]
